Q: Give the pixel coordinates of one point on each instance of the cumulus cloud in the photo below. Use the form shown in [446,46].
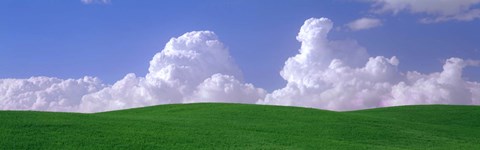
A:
[438,10]
[339,75]
[45,93]
[225,88]
[446,87]
[95,1]
[195,67]
[364,23]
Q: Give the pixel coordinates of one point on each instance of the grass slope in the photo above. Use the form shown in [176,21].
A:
[240,126]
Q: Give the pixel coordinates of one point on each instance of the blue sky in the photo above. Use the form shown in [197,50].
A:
[71,39]
[68,39]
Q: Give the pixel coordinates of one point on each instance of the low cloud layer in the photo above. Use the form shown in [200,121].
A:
[45,93]
[438,10]
[197,67]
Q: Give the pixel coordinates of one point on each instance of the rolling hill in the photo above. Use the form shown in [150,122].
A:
[243,126]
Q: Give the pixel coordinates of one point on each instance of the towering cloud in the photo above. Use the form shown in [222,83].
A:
[196,63]
[329,75]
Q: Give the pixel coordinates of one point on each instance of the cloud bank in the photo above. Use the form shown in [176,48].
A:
[197,67]
[45,93]
[438,10]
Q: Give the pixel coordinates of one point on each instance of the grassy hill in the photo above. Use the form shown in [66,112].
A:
[240,126]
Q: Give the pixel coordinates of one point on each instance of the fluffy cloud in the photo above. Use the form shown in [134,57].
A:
[44,93]
[195,67]
[225,88]
[446,87]
[364,23]
[440,10]
[329,75]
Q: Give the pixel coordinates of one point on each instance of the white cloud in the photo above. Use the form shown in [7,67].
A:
[438,10]
[95,1]
[329,75]
[195,67]
[44,93]
[364,23]
[446,87]
[191,58]
[225,88]
[468,16]
[126,93]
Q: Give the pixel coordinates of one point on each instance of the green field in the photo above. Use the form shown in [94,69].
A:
[241,126]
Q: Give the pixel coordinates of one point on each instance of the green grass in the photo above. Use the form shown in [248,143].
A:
[240,126]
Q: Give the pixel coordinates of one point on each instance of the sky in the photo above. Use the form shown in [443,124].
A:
[97,55]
